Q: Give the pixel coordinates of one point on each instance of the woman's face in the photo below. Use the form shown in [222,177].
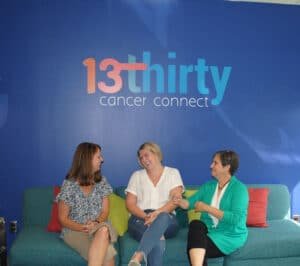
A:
[97,160]
[148,159]
[217,169]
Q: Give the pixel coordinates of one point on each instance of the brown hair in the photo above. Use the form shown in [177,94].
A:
[81,169]
[230,158]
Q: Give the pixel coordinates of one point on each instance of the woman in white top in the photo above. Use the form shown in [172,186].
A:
[149,199]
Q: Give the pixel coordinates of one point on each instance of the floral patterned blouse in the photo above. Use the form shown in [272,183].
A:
[82,207]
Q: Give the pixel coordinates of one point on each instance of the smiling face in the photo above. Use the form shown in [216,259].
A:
[97,160]
[217,169]
[148,159]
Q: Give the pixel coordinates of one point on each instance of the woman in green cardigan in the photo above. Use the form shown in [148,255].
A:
[223,203]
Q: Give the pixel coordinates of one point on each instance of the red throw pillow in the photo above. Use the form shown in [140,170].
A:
[258,205]
[54,225]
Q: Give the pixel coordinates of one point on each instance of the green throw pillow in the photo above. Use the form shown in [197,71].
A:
[192,215]
[118,214]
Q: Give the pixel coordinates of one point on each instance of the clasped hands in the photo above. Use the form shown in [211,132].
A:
[177,199]
[199,206]
[89,226]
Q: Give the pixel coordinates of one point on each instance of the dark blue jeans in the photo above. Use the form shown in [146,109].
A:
[151,243]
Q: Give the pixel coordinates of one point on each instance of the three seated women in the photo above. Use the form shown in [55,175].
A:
[152,195]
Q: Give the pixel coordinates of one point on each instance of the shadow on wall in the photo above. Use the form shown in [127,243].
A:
[154,14]
[3,109]
[285,154]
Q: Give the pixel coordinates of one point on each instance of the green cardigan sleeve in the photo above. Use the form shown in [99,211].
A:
[193,199]
[239,206]
[200,195]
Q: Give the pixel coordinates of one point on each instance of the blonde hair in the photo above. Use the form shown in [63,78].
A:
[153,147]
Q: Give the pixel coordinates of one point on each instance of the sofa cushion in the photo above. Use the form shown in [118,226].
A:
[120,191]
[118,214]
[175,250]
[35,246]
[192,214]
[257,210]
[286,261]
[280,239]
[37,206]
[278,200]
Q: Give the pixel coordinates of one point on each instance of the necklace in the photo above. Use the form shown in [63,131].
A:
[221,187]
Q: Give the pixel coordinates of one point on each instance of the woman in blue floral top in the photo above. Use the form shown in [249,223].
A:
[83,207]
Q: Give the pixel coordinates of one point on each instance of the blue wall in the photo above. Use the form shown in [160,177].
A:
[46,110]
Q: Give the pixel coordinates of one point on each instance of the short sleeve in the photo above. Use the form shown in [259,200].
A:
[105,187]
[132,184]
[66,192]
[176,179]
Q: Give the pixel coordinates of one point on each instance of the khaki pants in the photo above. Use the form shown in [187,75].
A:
[81,242]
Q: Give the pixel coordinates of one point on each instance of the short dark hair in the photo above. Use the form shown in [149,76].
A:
[230,158]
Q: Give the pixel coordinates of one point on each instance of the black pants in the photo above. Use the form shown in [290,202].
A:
[197,238]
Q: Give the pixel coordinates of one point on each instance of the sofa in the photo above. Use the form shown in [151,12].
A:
[276,244]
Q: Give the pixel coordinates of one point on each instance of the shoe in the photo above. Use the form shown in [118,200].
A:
[134,263]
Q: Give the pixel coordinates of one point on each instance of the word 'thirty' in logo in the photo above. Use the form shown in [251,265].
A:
[175,76]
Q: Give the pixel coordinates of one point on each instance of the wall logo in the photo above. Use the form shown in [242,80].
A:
[169,84]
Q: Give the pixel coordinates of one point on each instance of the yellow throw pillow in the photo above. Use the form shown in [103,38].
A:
[192,215]
[118,214]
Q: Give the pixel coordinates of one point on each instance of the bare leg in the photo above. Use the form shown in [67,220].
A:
[110,262]
[197,256]
[98,247]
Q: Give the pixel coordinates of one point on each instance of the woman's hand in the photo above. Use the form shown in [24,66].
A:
[150,217]
[179,201]
[89,226]
[200,206]
[176,199]
[203,207]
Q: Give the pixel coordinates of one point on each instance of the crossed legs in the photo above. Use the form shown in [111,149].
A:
[152,242]
[97,250]
[200,246]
